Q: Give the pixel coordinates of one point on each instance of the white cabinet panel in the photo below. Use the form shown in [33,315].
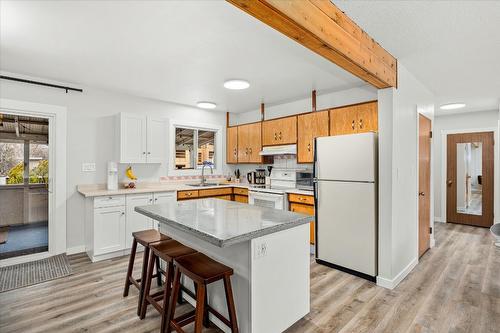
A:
[141,139]
[136,221]
[109,229]
[162,198]
[157,140]
[132,138]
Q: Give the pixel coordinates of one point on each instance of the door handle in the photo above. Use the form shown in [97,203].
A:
[450,182]
[422,194]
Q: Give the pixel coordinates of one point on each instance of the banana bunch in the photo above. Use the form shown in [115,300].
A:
[130,174]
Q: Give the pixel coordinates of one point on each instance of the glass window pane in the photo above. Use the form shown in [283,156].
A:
[39,163]
[184,148]
[11,162]
[206,147]
[469,178]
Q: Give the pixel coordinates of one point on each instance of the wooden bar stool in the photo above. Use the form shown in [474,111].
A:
[203,271]
[167,251]
[145,238]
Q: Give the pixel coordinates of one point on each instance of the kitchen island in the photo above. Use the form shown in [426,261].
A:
[267,248]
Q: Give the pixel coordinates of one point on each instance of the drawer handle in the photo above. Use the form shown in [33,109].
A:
[246,151]
[110,198]
[353,124]
[123,213]
[280,135]
[250,150]
[308,147]
[275,136]
[234,152]
[150,200]
[143,153]
[361,123]
[156,199]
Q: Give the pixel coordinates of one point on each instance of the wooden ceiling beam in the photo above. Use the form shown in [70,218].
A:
[323,28]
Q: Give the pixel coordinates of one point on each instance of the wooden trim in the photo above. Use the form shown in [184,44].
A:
[323,28]
[227,119]
[313,100]
[262,111]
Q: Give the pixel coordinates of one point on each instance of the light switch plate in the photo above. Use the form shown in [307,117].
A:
[88,167]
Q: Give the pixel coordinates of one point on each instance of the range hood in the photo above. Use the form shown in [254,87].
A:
[279,150]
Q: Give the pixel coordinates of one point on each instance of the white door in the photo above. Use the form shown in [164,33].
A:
[161,199]
[109,229]
[133,138]
[136,221]
[157,140]
[347,225]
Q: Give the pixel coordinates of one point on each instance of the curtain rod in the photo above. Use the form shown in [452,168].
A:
[40,83]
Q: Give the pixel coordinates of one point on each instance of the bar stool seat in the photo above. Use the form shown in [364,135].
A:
[203,271]
[167,251]
[145,238]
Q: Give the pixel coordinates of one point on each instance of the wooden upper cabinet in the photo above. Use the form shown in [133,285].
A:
[249,143]
[367,117]
[232,145]
[358,118]
[280,131]
[310,126]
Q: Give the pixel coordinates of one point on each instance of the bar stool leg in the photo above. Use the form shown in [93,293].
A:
[206,322]
[173,300]
[158,275]
[200,308]
[230,304]
[147,286]
[143,277]
[130,268]
[166,296]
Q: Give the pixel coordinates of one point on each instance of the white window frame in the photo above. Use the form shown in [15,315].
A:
[219,149]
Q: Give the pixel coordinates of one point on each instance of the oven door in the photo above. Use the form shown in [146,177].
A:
[270,200]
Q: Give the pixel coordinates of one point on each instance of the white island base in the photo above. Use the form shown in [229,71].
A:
[270,281]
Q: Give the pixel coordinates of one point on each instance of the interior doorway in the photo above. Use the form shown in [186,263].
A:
[470,178]
[24,179]
[424,184]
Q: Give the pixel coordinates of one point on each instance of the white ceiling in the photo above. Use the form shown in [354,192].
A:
[453,47]
[168,50]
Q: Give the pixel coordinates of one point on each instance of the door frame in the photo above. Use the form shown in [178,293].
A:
[57,173]
[496,167]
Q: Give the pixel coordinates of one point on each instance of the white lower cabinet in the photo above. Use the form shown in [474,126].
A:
[110,222]
[136,221]
[109,229]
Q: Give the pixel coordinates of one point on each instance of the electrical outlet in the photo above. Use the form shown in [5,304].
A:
[88,167]
[260,250]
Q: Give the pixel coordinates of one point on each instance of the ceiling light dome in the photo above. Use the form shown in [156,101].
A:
[236,84]
[206,105]
[452,106]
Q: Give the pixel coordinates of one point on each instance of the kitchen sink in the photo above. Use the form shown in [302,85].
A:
[202,185]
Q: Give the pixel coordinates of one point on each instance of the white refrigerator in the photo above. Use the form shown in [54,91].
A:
[345,174]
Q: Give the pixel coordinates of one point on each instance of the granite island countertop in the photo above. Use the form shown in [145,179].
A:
[221,222]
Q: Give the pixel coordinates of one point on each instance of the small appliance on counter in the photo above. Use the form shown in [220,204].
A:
[112,176]
[257,177]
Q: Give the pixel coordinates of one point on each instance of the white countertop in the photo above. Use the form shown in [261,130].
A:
[221,222]
[97,190]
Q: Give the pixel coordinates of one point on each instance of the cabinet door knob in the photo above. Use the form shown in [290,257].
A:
[123,213]
[361,123]
[308,147]
[250,150]
[156,199]
[149,152]
[150,200]
[422,194]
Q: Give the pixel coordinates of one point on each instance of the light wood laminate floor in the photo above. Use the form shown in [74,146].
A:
[455,288]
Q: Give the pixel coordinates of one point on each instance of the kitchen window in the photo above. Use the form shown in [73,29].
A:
[193,146]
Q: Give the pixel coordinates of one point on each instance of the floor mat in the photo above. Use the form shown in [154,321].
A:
[25,239]
[27,274]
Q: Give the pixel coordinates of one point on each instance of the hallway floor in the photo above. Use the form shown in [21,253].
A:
[25,239]
[455,288]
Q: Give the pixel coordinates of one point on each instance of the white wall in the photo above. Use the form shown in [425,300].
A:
[90,135]
[323,101]
[458,122]
[398,182]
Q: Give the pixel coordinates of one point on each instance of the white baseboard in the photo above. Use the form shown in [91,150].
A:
[439,219]
[75,249]
[392,283]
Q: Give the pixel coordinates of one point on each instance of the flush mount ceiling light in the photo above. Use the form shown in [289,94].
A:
[452,106]
[206,105]
[236,84]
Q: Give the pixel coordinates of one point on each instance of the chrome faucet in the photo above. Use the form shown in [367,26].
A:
[206,163]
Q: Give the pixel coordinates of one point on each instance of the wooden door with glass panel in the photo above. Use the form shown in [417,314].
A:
[469,195]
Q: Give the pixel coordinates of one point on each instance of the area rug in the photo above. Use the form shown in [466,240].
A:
[30,273]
